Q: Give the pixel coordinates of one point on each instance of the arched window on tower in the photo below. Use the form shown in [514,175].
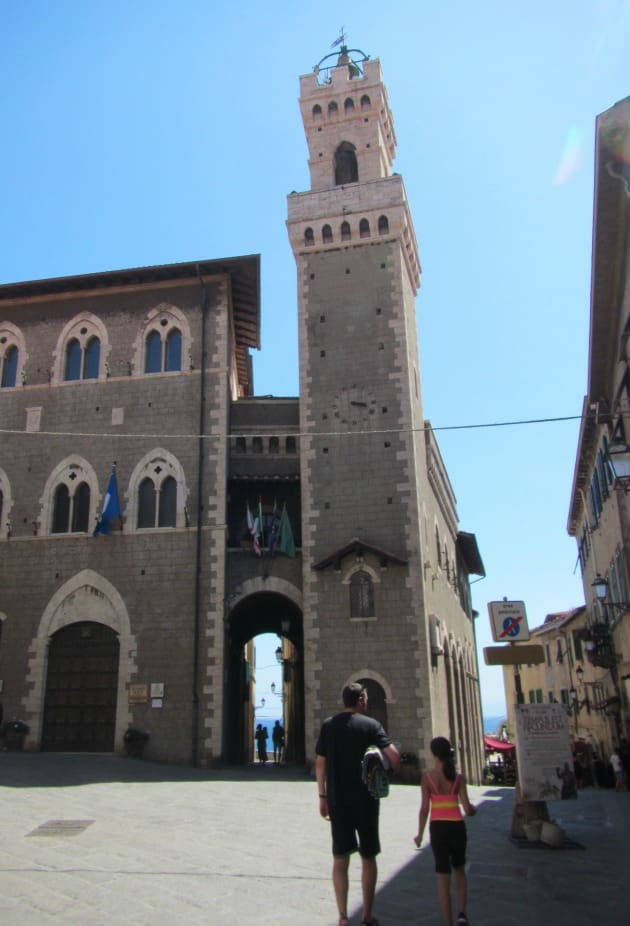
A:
[333,109]
[361,594]
[346,167]
[383,225]
[348,106]
[309,237]
[327,235]
[365,102]
[346,234]
[364,228]
[317,112]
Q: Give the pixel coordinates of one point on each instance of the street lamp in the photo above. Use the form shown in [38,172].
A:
[575,701]
[619,459]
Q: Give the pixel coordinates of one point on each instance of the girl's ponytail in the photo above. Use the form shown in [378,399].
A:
[442,750]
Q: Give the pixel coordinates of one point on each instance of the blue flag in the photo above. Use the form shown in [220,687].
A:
[111,507]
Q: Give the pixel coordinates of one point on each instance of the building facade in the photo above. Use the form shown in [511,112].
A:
[151,626]
[599,515]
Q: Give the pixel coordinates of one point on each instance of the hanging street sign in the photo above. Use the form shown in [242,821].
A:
[525,654]
[508,621]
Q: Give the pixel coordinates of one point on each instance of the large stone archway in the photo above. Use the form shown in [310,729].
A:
[263,606]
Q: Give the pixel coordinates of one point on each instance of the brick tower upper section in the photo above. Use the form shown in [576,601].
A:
[350,134]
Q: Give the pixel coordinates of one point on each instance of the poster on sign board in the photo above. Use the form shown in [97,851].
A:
[543,751]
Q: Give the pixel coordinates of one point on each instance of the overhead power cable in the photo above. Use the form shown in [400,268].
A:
[269,431]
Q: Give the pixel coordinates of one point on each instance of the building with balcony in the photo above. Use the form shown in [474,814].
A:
[599,514]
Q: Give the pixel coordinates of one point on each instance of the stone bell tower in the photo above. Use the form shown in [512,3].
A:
[365,484]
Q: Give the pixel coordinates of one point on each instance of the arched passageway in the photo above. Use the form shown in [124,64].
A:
[258,613]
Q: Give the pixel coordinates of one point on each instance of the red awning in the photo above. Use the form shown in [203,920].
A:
[494,745]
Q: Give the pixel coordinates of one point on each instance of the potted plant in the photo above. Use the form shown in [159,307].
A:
[135,741]
[14,733]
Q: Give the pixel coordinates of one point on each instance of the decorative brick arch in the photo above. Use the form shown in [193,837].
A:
[86,596]
[271,584]
[72,465]
[169,465]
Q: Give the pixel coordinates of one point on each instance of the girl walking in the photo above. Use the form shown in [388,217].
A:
[443,790]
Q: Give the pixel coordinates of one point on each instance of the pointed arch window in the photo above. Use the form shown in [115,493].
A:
[346,166]
[317,112]
[309,237]
[157,503]
[333,109]
[346,234]
[73,361]
[146,503]
[174,350]
[365,102]
[348,105]
[364,228]
[71,509]
[82,350]
[361,594]
[327,235]
[9,367]
[383,225]
[9,364]
[163,352]
[153,353]
[82,362]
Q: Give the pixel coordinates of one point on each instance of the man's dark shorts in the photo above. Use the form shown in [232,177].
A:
[448,841]
[351,820]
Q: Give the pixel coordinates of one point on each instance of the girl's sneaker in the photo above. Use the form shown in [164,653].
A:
[462,919]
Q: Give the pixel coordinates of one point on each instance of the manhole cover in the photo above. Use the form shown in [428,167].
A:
[61,828]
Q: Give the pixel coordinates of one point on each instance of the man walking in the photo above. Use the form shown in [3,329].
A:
[345,799]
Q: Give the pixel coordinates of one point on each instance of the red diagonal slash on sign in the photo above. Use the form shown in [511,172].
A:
[511,626]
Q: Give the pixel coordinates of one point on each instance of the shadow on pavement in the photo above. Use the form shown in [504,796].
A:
[61,770]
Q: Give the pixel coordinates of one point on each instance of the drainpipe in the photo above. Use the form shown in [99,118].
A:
[200,491]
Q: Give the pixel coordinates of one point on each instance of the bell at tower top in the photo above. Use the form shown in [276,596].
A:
[351,59]
[348,124]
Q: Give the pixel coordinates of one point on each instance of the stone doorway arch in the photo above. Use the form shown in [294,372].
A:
[271,606]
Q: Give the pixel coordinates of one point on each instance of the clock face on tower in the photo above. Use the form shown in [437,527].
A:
[353,405]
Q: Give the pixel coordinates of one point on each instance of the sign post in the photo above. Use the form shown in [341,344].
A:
[508,622]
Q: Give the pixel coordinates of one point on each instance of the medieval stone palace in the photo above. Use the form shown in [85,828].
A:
[363,571]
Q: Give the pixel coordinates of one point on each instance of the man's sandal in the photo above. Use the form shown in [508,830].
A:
[372,922]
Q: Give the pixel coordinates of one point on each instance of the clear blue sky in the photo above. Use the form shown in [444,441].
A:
[139,132]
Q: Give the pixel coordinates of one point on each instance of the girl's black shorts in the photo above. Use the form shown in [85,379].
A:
[448,841]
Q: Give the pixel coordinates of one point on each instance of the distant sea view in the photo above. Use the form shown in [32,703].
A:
[491,723]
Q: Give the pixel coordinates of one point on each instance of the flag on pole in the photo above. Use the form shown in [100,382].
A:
[341,39]
[261,526]
[274,529]
[286,544]
[111,507]
[252,526]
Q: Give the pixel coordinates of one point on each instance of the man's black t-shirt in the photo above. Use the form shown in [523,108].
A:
[342,741]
